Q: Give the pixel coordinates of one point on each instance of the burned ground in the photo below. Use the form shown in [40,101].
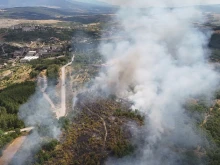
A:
[97,132]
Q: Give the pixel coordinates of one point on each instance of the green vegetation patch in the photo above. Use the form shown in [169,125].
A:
[209,120]
[53,73]
[85,59]
[52,66]
[46,152]
[15,95]
[23,36]
[7,138]
[215,56]
[10,100]
[130,114]
[41,64]
[213,128]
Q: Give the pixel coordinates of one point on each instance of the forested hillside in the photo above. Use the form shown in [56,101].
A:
[10,100]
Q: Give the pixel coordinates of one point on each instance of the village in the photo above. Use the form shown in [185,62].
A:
[34,41]
[23,43]
[34,51]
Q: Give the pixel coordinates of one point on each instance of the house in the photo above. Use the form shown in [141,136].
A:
[28,59]
[31,53]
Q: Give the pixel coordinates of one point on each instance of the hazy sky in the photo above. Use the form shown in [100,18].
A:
[90,1]
[113,1]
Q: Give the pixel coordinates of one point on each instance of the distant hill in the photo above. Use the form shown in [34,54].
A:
[25,3]
[211,8]
[70,5]
[45,13]
[34,13]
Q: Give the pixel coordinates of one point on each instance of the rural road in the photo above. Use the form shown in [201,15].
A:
[62,111]
[28,129]
[13,148]
[44,79]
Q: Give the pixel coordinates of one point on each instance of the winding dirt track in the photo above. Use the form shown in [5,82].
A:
[60,112]
[44,93]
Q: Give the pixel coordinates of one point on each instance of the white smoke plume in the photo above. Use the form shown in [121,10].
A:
[159,65]
[36,113]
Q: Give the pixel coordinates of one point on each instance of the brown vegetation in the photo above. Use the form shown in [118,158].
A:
[97,132]
[6,23]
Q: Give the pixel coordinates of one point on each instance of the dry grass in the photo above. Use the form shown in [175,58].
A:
[15,75]
[6,23]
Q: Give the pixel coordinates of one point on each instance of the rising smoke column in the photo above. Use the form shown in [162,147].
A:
[159,65]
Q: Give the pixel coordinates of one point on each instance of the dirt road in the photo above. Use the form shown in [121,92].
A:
[11,150]
[28,129]
[62,111]
[43,89]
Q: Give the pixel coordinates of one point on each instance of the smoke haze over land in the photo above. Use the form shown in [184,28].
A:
[158,66]
[36,113]
[156,3]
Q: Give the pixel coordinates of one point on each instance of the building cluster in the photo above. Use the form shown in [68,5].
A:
[44,52]
[35,50]
[31,55]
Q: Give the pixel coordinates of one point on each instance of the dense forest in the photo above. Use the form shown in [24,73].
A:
[10,100]
[51,65]
[53,74]
[45,35]
[41,64]
[88,59]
